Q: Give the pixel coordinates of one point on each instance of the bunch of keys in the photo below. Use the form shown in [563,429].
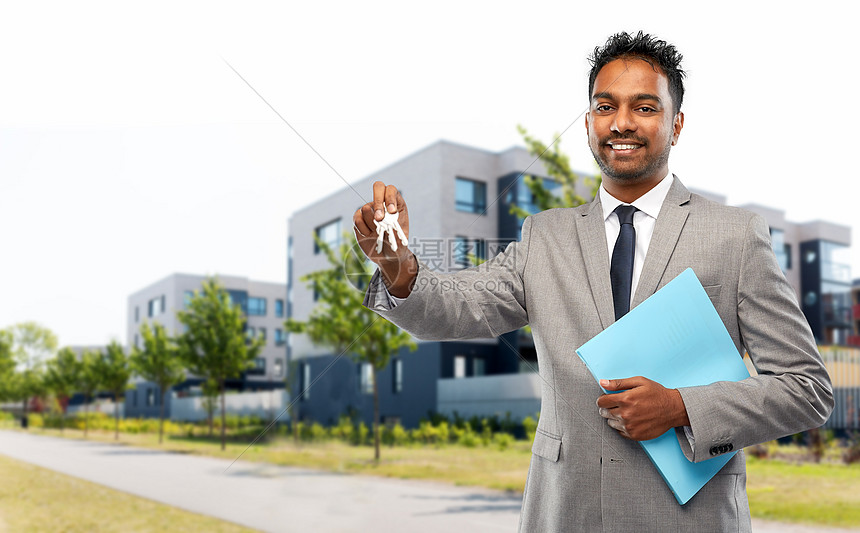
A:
[390,224]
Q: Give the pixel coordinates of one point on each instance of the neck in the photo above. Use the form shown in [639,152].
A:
[628,191]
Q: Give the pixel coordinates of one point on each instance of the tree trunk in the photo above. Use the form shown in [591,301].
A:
[86,415]
[161,418]
[376,416]
[24,423]
[116,415]
[63,417]
[210,409]
[223,418]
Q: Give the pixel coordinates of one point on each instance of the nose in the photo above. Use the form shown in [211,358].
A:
[623,120]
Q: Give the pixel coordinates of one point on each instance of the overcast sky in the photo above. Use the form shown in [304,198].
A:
[129,150]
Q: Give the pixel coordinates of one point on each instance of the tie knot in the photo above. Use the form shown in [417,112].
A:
[625,214]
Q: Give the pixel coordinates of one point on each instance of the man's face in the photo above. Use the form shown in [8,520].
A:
[631,123]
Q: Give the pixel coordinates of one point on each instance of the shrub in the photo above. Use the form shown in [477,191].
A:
[530,427]
[503,441]
[361,433]
[343,430]
[35,420]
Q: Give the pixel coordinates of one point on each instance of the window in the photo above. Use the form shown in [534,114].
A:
[186,297]
[136,340]
[250,332]
[156,306]
[329,234]
[257,306]
[279,308]
[280,338]
[462,247]
[136,314]
[279,368]
[459,366]
[365,378]
[470,195]
[150,397]
[262,332]
[398,375]
[777,240]
[259,365]
[835,262]
[479,367]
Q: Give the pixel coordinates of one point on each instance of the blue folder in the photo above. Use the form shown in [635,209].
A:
[677,339]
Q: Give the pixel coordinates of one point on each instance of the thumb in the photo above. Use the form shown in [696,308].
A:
[615,384]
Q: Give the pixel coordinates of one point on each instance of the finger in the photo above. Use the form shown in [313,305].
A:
[609,401]
[616,424]
[359,223]
[378,200]
[367,216]
[621,384]
[606,413]
[391,195]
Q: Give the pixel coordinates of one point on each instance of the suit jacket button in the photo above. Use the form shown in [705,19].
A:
[730,446]
[715,450]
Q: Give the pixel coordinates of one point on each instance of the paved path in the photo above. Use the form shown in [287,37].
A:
[283,499]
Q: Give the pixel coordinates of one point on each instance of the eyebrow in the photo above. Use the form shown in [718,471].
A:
[636,98]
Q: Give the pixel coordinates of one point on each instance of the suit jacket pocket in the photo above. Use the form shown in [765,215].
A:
[546,446]
[713,292]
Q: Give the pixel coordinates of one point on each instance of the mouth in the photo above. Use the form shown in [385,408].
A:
[624,147]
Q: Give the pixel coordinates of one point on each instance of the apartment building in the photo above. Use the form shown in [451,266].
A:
[264,306]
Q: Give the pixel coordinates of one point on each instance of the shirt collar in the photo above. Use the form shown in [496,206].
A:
[649,203]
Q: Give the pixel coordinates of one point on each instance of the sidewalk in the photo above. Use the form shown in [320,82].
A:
[283,499]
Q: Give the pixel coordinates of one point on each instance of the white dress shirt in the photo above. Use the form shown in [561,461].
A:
[649,205]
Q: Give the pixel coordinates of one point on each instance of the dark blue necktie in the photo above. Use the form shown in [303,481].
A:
[621,270]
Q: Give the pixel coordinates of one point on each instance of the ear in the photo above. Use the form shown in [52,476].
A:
[587,118]
[677,126]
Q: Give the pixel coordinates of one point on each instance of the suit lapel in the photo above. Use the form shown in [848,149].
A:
[591,230]
[667,230]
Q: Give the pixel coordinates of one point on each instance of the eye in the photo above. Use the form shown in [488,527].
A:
[646,109]
[603,108]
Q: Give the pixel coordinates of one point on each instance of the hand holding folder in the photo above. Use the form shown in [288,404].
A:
[677,339]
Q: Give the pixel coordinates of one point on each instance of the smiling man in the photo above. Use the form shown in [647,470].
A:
[578,270]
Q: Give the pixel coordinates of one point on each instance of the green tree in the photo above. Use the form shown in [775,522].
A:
[7,365]
[62,375]
[342,322]
[557,166]
[115,372]
[159,363]
[32,345]
[215,345]
[89,381]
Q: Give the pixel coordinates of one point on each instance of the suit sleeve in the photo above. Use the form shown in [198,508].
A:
[479,302]
[792,391]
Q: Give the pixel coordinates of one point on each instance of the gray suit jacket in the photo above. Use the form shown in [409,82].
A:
[583,475]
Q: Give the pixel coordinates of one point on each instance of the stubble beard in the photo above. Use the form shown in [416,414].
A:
[635,174]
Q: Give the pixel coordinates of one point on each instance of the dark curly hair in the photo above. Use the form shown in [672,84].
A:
[648,48]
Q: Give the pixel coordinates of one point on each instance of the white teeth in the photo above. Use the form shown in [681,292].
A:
[625,146]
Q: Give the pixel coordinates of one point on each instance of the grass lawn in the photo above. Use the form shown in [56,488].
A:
[824,494]
[36,499]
